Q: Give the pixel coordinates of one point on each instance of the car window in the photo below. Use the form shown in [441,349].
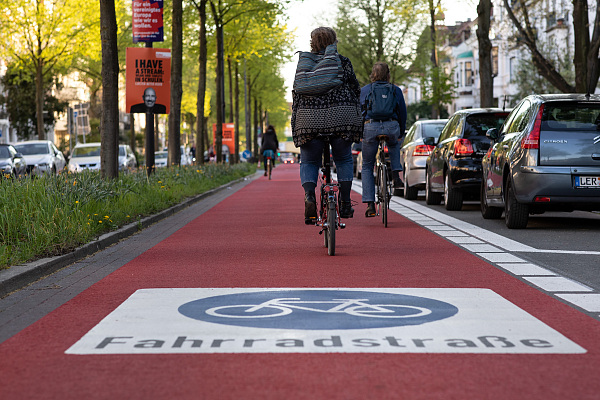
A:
[520,120]
[432,130]
[122,151]
[29,149]
[4,153]
[479,124]
[449,128]
[410,136]
[91,151]
[571,116]
[160,155]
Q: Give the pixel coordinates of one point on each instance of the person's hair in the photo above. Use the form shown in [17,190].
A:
[380,72]
[271,128]
[321,37]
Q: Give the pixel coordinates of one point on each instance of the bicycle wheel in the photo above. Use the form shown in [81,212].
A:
[269,167]
[331,225]
[385,195]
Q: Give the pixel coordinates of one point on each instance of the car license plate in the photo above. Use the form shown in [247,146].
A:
[587,182]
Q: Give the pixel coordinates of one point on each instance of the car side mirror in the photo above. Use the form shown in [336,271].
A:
[18,155]
[493,134]
[430,141]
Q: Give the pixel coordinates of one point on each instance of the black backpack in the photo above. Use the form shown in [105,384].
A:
[381,101]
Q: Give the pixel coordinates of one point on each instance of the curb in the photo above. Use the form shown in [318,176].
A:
[13,279]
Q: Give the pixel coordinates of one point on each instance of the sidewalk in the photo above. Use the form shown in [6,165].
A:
[234,297]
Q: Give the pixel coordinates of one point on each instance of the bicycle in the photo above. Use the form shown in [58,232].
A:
[383,181]
[328,216]
[284,306]
[269,156]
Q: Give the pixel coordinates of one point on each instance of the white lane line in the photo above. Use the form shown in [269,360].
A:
[557,284]
[588,301]
[526,269]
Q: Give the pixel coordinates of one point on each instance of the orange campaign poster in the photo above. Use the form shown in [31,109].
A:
[148,80]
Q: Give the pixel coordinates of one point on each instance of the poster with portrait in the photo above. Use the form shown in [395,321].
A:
[148,80]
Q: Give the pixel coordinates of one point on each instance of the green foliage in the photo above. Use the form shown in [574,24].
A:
[370,31]
[53,215]
[421,110]
[528,80]
[19,99]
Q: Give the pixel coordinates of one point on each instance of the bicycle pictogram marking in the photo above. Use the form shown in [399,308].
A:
[318,309]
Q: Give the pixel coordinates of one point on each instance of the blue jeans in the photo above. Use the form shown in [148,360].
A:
[311,155]
[369,152]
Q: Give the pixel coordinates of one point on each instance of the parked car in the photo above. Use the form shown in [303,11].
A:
[127,160]
[287,158]
[161,158]
[12,163]
[414,153]
[546,157]
[454,167]
[85,156]
[42,156]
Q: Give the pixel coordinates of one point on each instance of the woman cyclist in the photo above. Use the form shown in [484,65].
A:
[336,112]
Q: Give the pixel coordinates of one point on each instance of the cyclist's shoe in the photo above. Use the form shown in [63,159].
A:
[346,210]
[310,209]
[371,212]
[398,184]
[265,173]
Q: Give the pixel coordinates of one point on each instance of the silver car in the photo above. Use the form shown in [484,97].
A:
[545,157]
[414,153]
[84,157]
[127,160]
[42,157]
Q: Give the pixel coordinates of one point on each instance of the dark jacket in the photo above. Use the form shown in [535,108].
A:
[337,111]
[269,141]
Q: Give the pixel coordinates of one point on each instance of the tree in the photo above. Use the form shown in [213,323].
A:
[486,80]
[176,85]
[379,30]
[43,36]
[109,125]
[19,85]
[586,62]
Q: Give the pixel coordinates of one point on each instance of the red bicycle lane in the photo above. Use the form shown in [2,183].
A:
[254,241]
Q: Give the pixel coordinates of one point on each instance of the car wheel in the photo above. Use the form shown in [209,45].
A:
[488,212]
[431,198]
[453,197]
[516,214]
[410,192]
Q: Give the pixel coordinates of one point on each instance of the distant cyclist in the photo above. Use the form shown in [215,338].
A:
[384,111]
[269,146]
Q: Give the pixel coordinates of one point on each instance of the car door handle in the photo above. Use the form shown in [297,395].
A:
[595,156]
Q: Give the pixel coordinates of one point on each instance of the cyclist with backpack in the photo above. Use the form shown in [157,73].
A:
[325,102]
[384,113]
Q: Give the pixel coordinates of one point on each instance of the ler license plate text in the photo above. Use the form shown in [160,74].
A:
[587,181]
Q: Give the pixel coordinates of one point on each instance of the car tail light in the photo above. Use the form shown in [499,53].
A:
[463,147]
[541,199]
[532,140]
[422,150]
[355,152]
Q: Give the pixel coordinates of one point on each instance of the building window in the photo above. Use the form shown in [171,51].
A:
[468,74]
[495,61]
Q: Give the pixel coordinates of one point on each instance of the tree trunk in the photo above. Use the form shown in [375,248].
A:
[176,86]
[220,81]
[110,91]
[200,134]
[435,108]
[230,89]
[247,110]
[39,98]
[255,138]
[582,45]
[132,143]
[486,80]
[237,114]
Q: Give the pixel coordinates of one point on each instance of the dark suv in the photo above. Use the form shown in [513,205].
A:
[546,157]
[454,167]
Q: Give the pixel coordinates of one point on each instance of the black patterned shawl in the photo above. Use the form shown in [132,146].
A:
[338,111]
